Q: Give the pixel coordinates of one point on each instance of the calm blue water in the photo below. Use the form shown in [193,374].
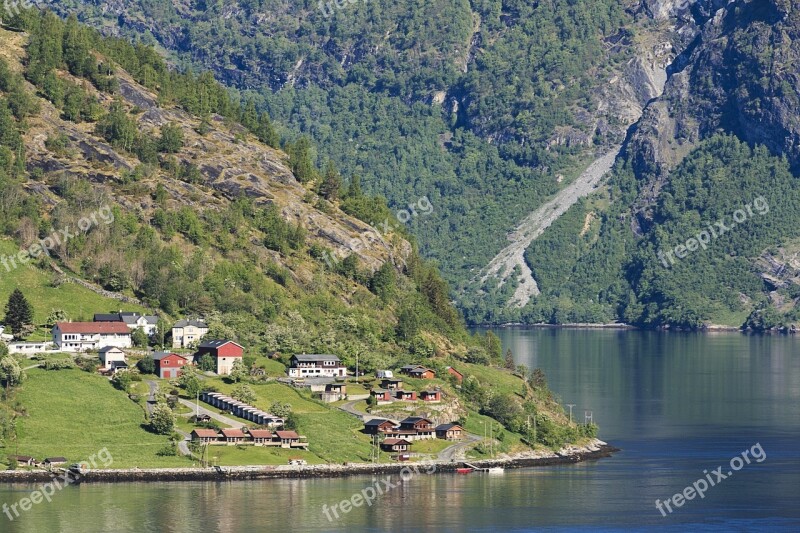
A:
[677,404]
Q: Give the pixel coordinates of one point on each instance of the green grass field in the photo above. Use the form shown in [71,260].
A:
[74,414]
[37,286]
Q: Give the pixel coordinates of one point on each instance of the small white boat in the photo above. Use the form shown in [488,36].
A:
[495,470]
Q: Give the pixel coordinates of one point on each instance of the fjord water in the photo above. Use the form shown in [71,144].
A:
[676,404]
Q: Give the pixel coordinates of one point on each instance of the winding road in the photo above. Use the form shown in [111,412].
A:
[183,445]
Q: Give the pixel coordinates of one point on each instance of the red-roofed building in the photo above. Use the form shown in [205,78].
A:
[290,439]
[205,436]
[262,437]
[233,436]
[83,336]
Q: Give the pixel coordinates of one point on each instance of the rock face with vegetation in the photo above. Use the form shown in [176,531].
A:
[168,193]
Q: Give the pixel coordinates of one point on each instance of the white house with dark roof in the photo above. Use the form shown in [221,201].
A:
[187,332]
[316,366]
[111,356]
[132,319]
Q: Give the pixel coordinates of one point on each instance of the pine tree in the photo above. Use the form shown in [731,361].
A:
[19,312]
[332,183]
[250,116]
[354,190]
[266,132]
[509,360]
[300,160]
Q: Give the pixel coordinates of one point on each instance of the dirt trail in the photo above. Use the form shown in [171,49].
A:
[502,266]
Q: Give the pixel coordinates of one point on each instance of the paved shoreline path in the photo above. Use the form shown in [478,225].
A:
[513,255]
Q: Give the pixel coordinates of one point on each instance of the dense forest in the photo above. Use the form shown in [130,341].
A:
[485,108]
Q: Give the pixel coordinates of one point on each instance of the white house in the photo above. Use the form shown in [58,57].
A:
[111,355]
[82,336]
[30,348]
[132,319]
[187,332]
[316,366]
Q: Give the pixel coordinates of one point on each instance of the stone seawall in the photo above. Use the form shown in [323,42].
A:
[304,472]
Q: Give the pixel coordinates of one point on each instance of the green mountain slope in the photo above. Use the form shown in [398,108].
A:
[124,183]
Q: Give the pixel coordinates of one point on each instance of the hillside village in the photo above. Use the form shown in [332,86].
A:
[397,409]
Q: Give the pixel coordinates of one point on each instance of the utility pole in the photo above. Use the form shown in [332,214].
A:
[356,368]
[570,405]
[197,410]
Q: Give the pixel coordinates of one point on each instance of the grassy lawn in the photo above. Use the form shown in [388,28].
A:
[74,414]
[36,284]
[433,446]
[512,442]
[257,455]
[497,379]
[273,368]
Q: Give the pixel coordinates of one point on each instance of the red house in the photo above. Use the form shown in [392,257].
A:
[376,426]
[223,351]
[422,373]
[455,373]
[169,365]
[430,396]
[406,395]
[381,396]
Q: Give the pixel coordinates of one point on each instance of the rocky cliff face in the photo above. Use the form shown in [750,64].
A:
[737,76]
[230,162]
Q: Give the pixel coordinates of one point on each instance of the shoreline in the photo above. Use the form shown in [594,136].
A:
[570,455]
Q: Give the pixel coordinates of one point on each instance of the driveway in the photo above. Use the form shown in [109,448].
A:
[459,449]
[213,414]
[151,399]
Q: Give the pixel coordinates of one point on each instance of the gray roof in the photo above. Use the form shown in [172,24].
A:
[310,358]
[158,356]
[107,349]
[377,422]
[445,427]
[129,317]
[216,343]
[190,322]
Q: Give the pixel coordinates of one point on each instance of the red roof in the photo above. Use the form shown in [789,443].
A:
[261,433]
[231,433]
[93,327]
[287,435]
[206,433]
[392,442]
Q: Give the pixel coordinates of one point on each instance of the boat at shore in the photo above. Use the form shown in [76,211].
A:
[464,470]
